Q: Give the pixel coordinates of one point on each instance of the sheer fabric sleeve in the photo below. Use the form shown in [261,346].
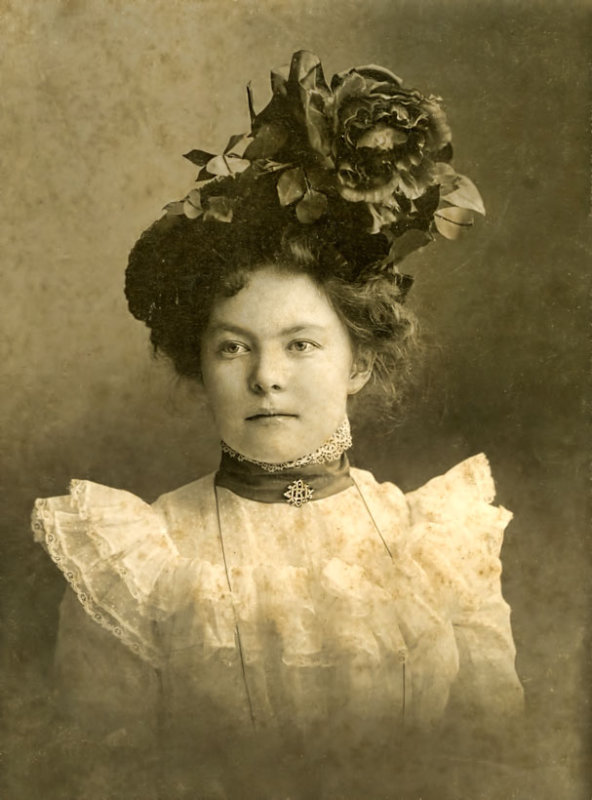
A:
[109,691]
[107,706]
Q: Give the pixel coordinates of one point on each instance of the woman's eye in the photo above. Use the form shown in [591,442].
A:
[302,346]
[232,348]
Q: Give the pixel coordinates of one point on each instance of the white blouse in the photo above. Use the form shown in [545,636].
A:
[366,608]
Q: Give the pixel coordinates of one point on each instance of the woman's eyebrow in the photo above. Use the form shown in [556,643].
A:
[300,328]
[228,327]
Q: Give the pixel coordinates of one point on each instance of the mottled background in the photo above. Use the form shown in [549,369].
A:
[100,98]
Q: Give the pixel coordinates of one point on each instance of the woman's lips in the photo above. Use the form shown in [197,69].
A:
[270,417]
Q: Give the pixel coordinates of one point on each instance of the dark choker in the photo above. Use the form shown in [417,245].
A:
[294,485]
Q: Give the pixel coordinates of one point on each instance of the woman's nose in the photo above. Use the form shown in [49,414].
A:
[267,374]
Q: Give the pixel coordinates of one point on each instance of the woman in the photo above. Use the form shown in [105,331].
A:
[287,626]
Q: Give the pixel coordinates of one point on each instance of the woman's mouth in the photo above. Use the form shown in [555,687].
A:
[270,416]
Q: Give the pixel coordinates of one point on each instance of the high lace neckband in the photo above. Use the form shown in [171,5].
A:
[319,474]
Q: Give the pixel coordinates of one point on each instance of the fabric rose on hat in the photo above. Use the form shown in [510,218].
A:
[386,138]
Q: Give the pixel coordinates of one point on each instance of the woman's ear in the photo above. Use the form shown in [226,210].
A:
[361,371]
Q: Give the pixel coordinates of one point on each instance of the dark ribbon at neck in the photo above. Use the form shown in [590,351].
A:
[296,486]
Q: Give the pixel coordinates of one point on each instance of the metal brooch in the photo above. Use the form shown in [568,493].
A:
[298,493]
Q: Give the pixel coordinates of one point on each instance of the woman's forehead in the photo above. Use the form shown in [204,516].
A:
[275,301]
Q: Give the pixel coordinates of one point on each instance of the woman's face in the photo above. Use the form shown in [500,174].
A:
[278,366]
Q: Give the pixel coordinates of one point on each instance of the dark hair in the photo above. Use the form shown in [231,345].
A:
[180,267]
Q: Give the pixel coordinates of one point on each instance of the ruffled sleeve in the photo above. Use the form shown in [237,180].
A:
[456,539]
[115,552]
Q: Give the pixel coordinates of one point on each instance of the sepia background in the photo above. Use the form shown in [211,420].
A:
[99,99]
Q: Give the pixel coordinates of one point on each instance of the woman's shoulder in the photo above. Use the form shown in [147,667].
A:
[465,487]
[453,509]
[89,504]
[116,520]
[94,509]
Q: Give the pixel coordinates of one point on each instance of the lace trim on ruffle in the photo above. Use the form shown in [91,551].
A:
[329,451]
[42,527]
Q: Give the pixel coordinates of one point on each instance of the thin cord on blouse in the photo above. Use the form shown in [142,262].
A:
[236,628]
[371,515]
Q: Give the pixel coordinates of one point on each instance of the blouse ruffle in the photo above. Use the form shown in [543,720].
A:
[421,596]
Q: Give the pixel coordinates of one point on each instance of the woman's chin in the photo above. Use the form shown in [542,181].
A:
[273,446]
[274,455]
